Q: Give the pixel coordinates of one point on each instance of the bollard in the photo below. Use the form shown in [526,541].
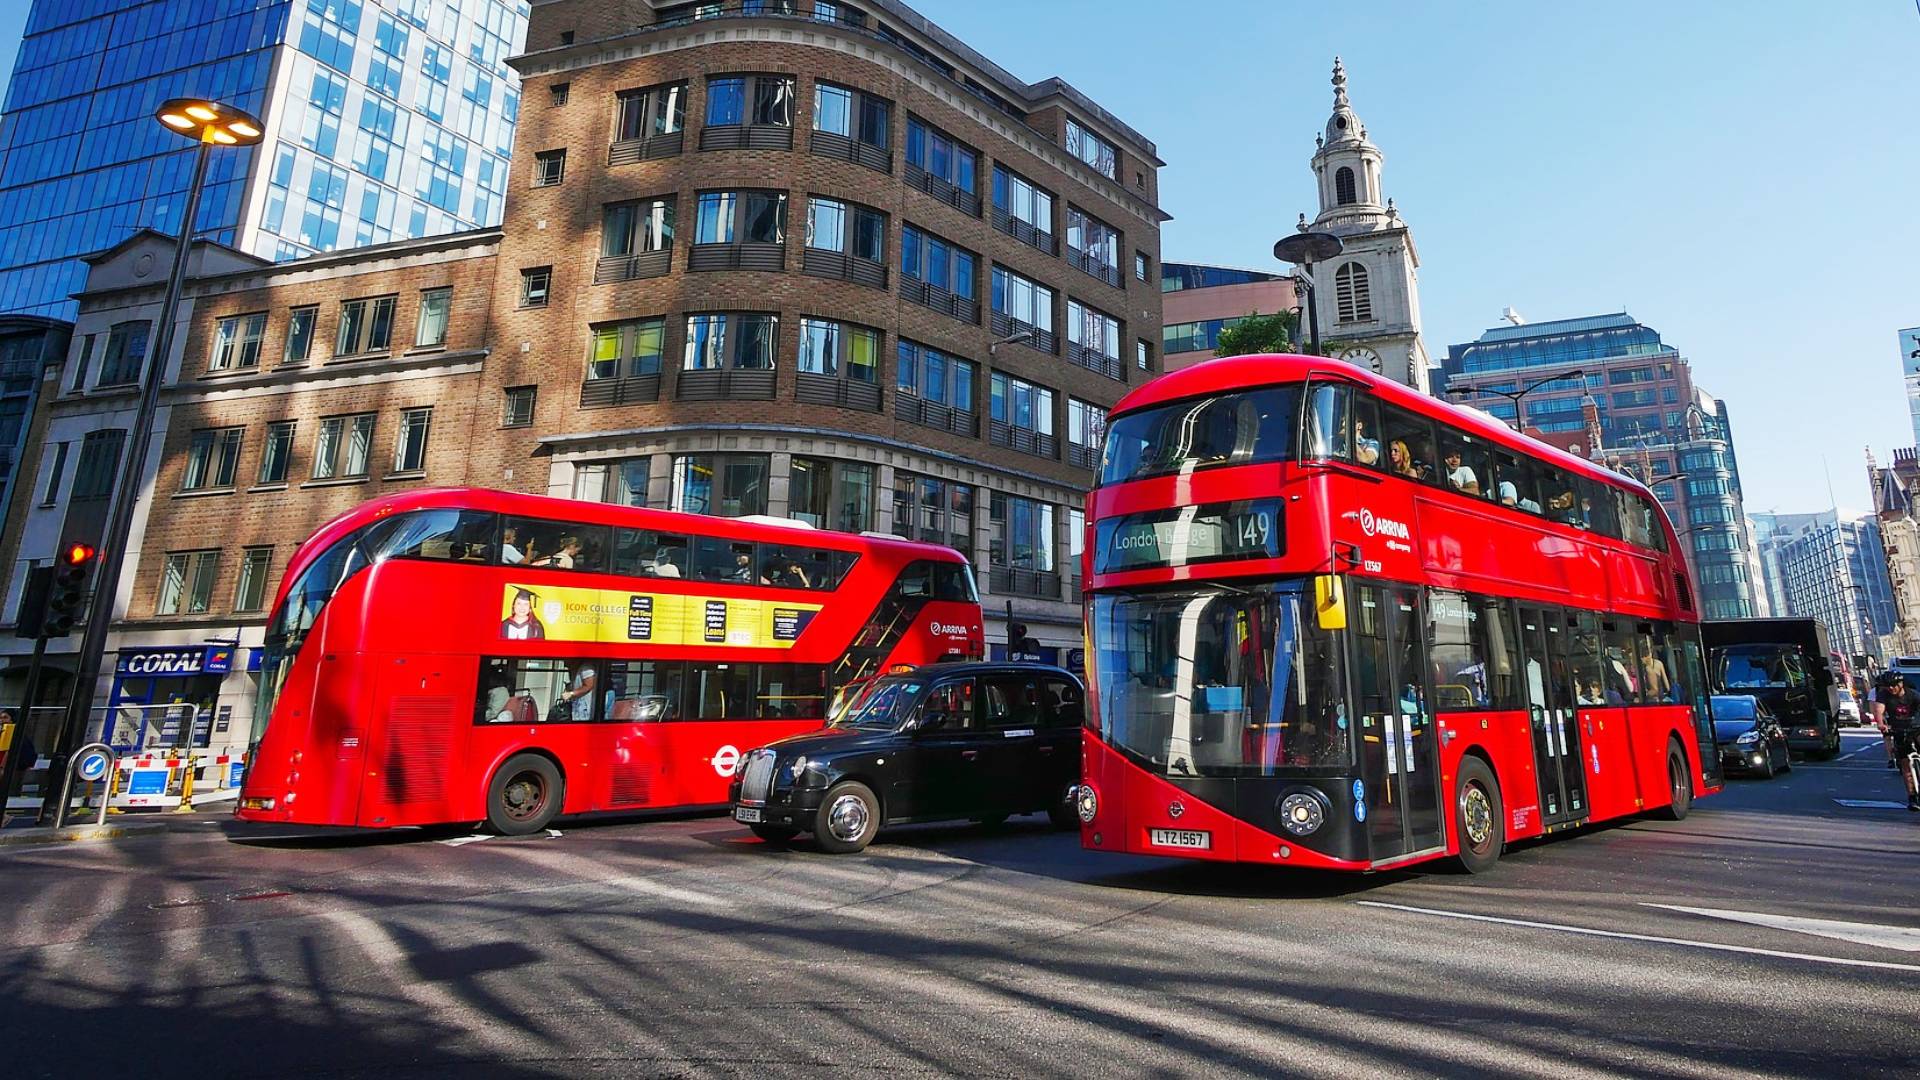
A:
[113,786]
[186,786]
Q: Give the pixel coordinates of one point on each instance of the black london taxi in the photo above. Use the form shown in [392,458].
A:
[955,741]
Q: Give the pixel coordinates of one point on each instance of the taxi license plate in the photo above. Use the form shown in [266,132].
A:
[746,813]
[1180,838]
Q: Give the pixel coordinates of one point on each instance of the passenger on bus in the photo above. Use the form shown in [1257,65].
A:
[563,558]
[794,576]
[1659,685]
[1590,693]
[1400,460]
[1459,475]
[510,553]
[743,568]
[579,697]
[663,564]
[1366,450]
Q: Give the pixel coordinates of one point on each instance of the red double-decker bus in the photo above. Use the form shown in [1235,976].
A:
[469,655]
[1335,623]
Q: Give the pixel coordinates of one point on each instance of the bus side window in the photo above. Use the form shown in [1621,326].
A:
[1366,432]
[645,553]
[1596,503]
[1589,660]
[1329,429]
[716,558]
[1621,669]
[528,691]
[916,581]
[461,535]
[1514,483]
[1409,444]
[952,581]
[1656,536]
[1562,504]
[719,691]
[1464,465]
[792,692]
[643,691]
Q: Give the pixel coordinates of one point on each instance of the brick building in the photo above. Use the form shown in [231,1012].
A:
[804,259]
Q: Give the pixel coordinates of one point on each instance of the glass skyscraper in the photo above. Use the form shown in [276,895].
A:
[386,119]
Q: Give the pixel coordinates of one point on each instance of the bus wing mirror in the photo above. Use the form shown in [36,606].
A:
[1329,602]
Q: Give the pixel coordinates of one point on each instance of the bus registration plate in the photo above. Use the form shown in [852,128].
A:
[746,813]
[1180,838]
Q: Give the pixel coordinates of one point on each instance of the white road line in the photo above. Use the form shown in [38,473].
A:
[1904,938]
[1591,932]
[1871,804]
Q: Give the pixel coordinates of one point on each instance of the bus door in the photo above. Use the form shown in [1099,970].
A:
[1400,745]
[1551,708]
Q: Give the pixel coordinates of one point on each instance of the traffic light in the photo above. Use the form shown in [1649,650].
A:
[69,592]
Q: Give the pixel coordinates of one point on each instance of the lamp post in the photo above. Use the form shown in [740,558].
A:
[1515,395]
[210,124]
[1303,249]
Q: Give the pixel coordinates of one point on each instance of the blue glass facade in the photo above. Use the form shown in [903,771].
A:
[385,119]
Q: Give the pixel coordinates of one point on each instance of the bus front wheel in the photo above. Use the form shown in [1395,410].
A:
[525,795]
[1477,816]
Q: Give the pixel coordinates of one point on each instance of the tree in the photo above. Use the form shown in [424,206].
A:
[1259,333]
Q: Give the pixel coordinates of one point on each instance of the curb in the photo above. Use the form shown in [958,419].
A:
[20,837]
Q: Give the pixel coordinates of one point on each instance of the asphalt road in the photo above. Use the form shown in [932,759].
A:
[682,947]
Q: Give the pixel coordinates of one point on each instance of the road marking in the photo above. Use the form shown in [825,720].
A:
[1904,938]
[1655,939]
[1871,804]
[462,841]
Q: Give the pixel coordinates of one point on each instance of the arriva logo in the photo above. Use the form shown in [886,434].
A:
[949,629]
[1374,526]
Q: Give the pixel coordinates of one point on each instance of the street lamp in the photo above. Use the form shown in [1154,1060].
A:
[210,124]
[1303,249]
[1515,395]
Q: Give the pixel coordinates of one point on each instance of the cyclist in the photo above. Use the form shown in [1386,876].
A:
[1896,709]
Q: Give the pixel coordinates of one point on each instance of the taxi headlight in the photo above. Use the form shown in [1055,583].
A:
[799,765]
[1303,812]
[1748,738]
[1086,803]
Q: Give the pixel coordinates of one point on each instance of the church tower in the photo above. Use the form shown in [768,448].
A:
[1368,296]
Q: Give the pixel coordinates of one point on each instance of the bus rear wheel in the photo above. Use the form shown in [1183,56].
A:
[1680,783]
[1477,817]
[525,795]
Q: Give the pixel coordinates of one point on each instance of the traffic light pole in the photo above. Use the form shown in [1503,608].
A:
[126,493]
[15,768]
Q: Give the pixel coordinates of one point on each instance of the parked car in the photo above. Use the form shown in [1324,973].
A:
[956,741]
[1751,739]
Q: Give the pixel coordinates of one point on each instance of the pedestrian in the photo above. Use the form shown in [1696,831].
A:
[21,749]
[1895,709]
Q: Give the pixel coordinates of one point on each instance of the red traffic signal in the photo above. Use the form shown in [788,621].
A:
[78,554]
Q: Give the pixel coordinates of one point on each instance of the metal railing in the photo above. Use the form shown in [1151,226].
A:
[940,300]
[964,201]
[645,264]
[625,390]
[1012,581]
[1030,235]
[744,256]
[812,388]
[650,148]
[918,410]
[724,384]
[819,262]
[829,144]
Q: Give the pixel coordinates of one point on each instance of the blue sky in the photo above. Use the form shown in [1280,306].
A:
[1737,175]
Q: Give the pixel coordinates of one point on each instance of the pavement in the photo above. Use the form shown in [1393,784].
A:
[1773,933]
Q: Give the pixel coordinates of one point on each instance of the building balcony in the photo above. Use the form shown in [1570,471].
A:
[725,384]
[940,300]
[1013,581]
[767,257]
[827,144]
[812,388]
[747,137]
[964,201]
[819,262]
[629,390]
[1025,440]
[1083,457]
[646,264]
[1087,264]
[1006,326]
[915,409]
[651,148]
[1096,361]
[1030,235]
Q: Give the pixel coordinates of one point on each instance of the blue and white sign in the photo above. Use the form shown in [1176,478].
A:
[236,772]
[93,765]
[1910,351]
[169,662]
[147,781]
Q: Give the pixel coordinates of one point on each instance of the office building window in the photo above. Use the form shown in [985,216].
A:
[1140,268]
[300,334]
[1086,433]
[1021,414]
[559,94]
[1094,245]
[99,462]
[932,510]
[549,168]
[186,582]
[847,228]
[935,376]
[213,456]
[651,112]
[736,340]
[431,330]
[1025,302]
[751,217]
[126,354]
[344,447]
[236,342]
[366,326]
[410,453]
[1092,149]
[629,228]
[519,406]
[625,482]
[81,365]
[627,348]
[1022,533]
[1143,356]
[277,453]
[942,166]
[535,284]
[927,258]
[761,100]
[729,485]
[835,349]
[831,494]
[1022,200]
[50,494]
[250,595]
[1095,336]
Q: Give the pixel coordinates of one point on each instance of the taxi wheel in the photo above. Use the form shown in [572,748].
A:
[847,819]
[775,834]
[1680,784]
[525,795]
[1477,817]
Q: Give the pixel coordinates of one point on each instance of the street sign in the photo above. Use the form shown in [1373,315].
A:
[93,765]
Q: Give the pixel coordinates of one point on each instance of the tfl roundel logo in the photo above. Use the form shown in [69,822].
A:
[1366,521]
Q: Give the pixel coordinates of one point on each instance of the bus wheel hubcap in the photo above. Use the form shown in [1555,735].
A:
[847,818]
[526,793]
[1478,812]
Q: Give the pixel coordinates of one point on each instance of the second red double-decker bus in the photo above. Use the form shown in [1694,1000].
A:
[1334,623]
[469,655]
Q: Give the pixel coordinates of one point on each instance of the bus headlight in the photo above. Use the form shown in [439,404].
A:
[1303,812]
[1086,803]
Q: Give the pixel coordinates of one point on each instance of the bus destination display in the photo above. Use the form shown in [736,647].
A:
[1183,536]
